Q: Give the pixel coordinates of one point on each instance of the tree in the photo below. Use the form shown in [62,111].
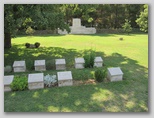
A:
[127,27]
[12,20]
[142,21]
[37,16]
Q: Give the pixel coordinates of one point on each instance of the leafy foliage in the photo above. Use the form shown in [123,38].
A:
[37,44]
[127,27]
[89,57]
[19,83]
[30,30]
[50,80]
[142,21]
[100,74]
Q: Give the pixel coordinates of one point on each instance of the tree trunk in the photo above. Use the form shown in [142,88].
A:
[7,40]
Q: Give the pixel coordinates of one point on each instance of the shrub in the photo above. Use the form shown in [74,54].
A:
[100,74]
[50,80]
[127,26]
[37,44]
[30,31]
[19,83]
[121,39]
[50,64]
[27,45]
[7,69]
[89,59]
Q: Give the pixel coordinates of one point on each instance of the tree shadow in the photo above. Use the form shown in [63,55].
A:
[129,95]
[114,34]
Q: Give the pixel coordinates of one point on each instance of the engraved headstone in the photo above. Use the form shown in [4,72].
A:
[7,82]
[65,78]
[115,74]
[79,63]
[35,81]
[98,62]
[19,66]
[60,64]
[40,65]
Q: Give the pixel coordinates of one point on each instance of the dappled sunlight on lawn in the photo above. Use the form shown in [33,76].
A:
[128,95]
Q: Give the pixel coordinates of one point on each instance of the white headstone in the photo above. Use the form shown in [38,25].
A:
[79,63]
[40,65]
[35,81]
[60,61]
[98,62]
[19,66]
[64,78]
[115,74]
[60,64]
[7,80]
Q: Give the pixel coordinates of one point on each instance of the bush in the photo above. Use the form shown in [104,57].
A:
[27,45]
[19,83]
[89,59]
[50,64]
[7,69]
[30,31]
[100,74]
[127,27]
[37,44]
[50,80]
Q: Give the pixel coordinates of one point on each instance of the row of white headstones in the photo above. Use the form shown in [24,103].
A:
[36,81]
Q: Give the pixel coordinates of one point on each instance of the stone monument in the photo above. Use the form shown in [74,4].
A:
[77,28]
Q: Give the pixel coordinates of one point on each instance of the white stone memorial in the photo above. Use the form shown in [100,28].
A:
[115,74]
[77,28]
[40,65]
[35,81]
[65,78]
[98,62]
[7,82]
[19,66]
[79,63]
[60,64]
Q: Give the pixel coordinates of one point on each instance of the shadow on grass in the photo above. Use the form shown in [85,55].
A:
[129,95]
[115,35]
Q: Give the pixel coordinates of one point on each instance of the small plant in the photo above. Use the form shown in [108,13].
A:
[100,75]
[89,59]
[121,39]
[30,31]
[37,44]
[50,80]
[19,83]
[7,69]
[127,26]
[27,45]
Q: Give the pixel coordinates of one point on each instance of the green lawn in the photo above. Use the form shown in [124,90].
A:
[129,95]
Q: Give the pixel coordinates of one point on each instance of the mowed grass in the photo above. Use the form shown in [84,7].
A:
[129,95]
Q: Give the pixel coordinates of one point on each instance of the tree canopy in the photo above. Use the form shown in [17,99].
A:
[142,21]
[52,16]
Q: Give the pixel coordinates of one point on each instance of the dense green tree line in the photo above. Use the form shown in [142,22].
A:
[52,16]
